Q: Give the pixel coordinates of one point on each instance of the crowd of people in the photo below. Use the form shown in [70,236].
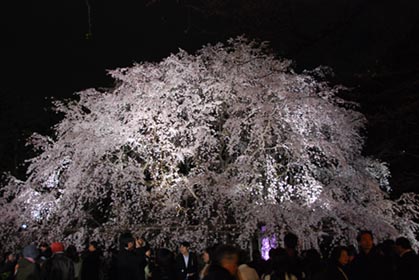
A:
[136,260]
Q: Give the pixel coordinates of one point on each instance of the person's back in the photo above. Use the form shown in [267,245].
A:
[408,262]
[408,266]
[127,265]
[27,270]
[164,268]
[293,259]
[313,267]
[281,268]
[59,266]
[258,263]
[73,255]
[92,263]
[217,272]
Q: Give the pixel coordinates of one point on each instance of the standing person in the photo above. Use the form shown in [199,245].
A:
[45,252]
[337,269]
[369,262]
[140,242]
[206,258]
[149,262]
[294,260]
[408,263]
[313,266]
[27,268]
[224,264]
[7,267]
[140,250]
[281,268]
[58,267]
[186,263]
[73,255]
[258,263]
[164,268]
[127,265]
[91,268]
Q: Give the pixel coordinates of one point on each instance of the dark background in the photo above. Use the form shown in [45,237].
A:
[49,49]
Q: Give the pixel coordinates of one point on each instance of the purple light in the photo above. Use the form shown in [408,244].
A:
[267,243]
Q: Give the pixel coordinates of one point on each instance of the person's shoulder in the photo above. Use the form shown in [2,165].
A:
[179,257]
[289,276]
[218,272]
[410,256]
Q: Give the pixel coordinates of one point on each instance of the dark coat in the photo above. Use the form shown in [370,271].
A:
[182,271]
[216,272]
[371,266]
[408,266]
[128,265]
[163,273]
[335,272]
[28,270]
[91,268]
[58,267]
[6,270]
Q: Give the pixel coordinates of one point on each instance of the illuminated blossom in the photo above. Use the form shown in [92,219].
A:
[207,147]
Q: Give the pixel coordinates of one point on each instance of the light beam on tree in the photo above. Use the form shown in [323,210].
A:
[205,147]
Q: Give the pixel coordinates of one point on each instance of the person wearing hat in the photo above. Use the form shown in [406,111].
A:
[58,267]
[27,268]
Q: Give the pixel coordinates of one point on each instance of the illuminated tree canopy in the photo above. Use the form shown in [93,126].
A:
[202,146]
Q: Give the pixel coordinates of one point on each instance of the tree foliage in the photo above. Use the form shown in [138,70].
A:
[205,147]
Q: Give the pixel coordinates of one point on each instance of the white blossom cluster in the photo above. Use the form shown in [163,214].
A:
[207,147]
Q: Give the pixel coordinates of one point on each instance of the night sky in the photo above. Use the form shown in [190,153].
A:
[49,49]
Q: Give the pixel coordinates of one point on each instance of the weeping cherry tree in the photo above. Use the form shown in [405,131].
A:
[209,147]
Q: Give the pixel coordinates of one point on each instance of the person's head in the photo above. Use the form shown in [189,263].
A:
[93,246]
[57,247]
[227,256]
[126,241]
[340,256]
[30,252]
[140,242]
[9,257]
[72,254]
[184,248]
[43,246]
[387,247]
[365,241]
[291,241]
[164,258]
[402,245]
